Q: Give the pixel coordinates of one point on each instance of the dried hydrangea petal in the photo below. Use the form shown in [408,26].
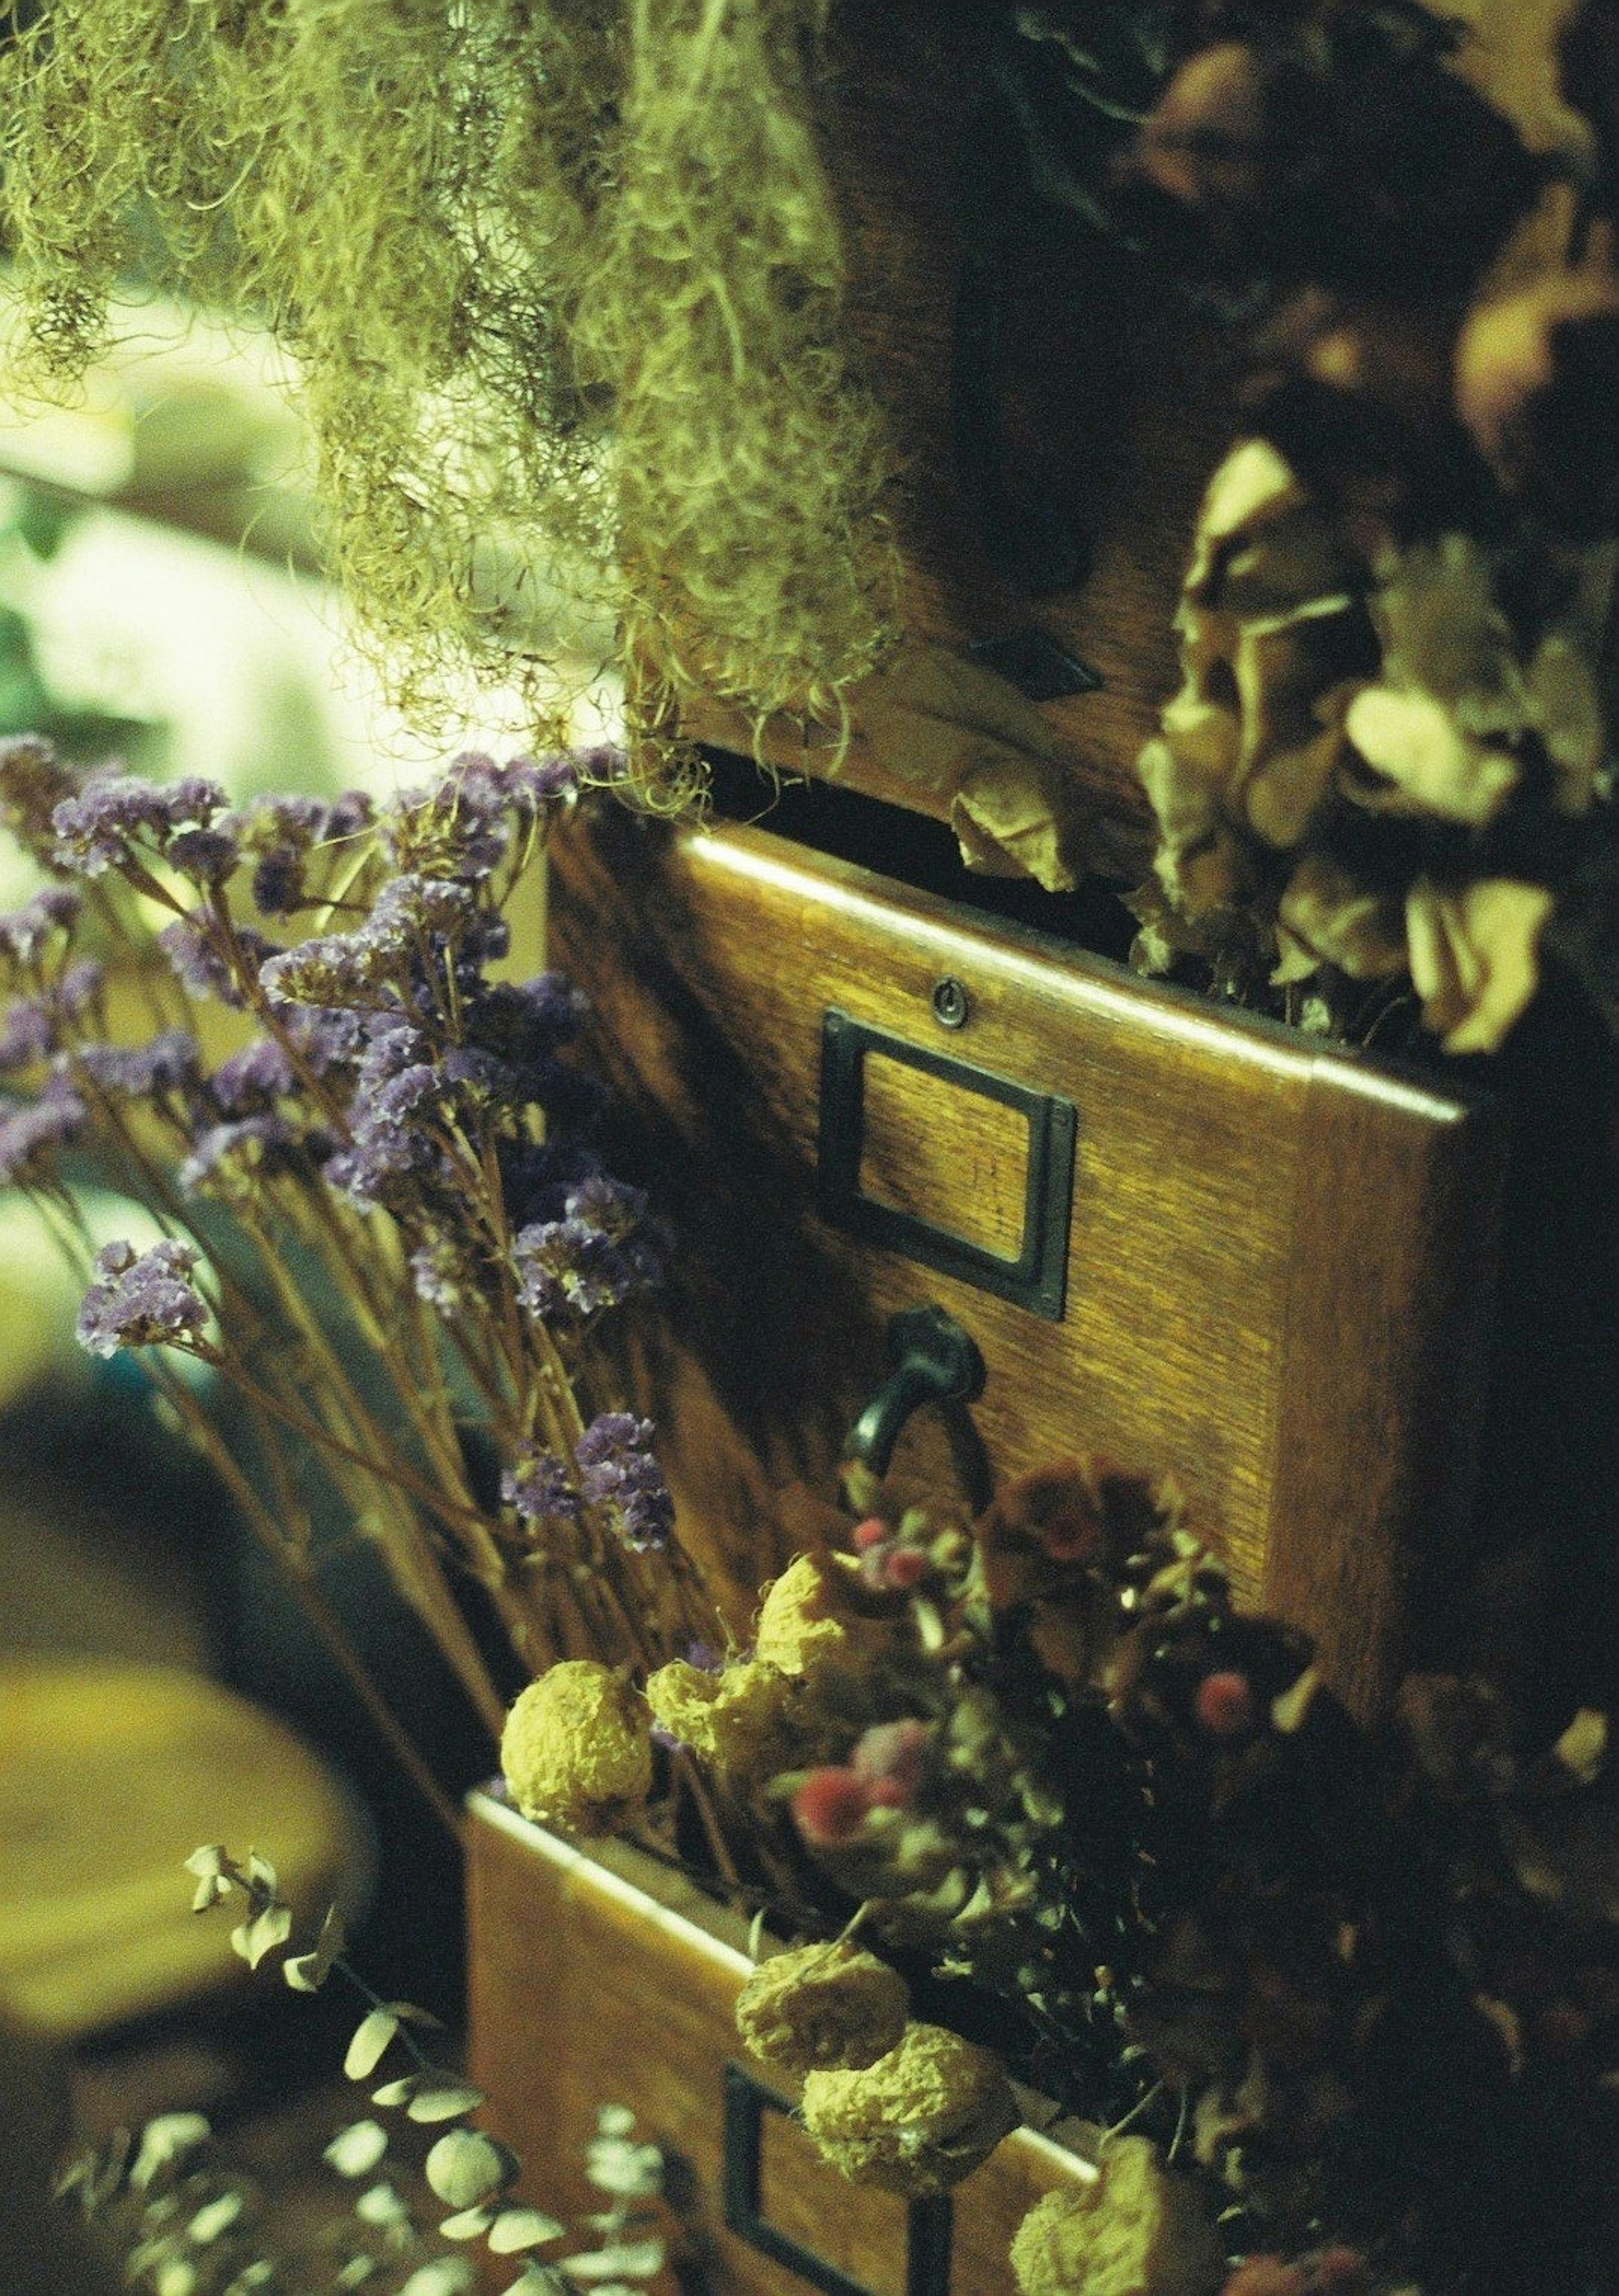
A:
[919,2119]
[1137,2230]
[577,1748]
[822,2005]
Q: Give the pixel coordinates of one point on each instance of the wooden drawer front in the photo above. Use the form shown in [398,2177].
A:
[1274,1270]
[603,1979]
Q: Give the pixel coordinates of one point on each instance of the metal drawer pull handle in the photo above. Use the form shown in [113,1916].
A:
[935,1361]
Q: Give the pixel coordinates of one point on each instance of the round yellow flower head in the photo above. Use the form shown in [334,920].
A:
[577,1748]
[740,1722]
[822,2005]
[803,1619]
[918,2120]
[1137,2230]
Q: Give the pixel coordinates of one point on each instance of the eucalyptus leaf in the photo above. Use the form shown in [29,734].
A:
[519,2228]
[468,2224]
[372,2036]
[381,2205]
[212,2221]
[398,2092]
[465,2167]
[446,2103]
[168,2139]
[447,2275]
[356,2151]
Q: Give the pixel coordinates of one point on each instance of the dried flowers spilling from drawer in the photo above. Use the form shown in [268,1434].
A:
[1392,755]
[1355,1991]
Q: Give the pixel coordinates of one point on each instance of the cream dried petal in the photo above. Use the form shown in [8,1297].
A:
[1424,762]
[1475,957]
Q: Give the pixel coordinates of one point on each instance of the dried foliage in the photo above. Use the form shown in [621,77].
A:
[564,283]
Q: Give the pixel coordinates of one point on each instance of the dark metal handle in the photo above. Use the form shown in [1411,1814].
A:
[935,1361]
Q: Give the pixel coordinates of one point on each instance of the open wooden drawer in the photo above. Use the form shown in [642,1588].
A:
[1195,1241]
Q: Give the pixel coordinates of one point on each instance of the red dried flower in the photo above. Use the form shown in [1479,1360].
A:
[1225,1705]
[830,1805]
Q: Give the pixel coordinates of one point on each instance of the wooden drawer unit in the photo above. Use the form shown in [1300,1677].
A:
[1199,1242]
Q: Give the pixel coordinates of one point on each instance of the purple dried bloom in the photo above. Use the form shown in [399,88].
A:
[80,984]
[347,815]
[416,906]
[166,1064]
[97,830]
[201,967]
[142,1301]
[208,855]
[618,1473]
[24,931]
[606,763]
[261,1072]
[438,1274]
[373,1163]
[278,882]
[527,1022]
[401,1097]
[537,1486]
[33,782]
[229,1160]
[331,968]
[326,1039]
[610,1205]
[29,1035]
[33,1128]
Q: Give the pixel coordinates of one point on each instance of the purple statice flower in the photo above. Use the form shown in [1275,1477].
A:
[24,931]
[601,766]
[229,1160]
[278,881]
[536,1485]
[169,1063]
[347,815]
[98,830]
[33,782]
[537,1177]
[261,1072]
[201,967]
[527,1020]
[411,908]
[327,1040]
[609,1205]
[577,1267]
[33,1128]
[329,969]
[438,1274]
[81,983]
[28,1034]
[618,1473]
[208,855]
[142,1299]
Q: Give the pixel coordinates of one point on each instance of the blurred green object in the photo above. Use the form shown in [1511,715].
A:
[33,522]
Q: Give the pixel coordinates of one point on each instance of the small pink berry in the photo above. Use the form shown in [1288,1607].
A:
[830,1805]
[872,1532]
[905,1568]
[890,1758]
[1225,1705]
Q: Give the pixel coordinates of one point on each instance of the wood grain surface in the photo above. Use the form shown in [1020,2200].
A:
[1117,403]
[1279,1257]
[602,1978]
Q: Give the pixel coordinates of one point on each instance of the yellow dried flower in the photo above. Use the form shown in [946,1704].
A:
[822,2005]
[577,1748]
[805,1620]
[743,1722]
[1137,2230]
[918,2120]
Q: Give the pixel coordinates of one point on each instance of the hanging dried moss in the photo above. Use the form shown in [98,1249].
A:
[564,281]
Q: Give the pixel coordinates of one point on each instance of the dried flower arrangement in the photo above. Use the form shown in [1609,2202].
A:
[1392,755]
[1354,1991]
[472,228]
[381,1220]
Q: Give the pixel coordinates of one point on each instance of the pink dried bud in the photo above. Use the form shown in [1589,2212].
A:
[1265,2276]
[904,1568]
[890,1758]
[872,1532]
[1225,1704]
[829,1807]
